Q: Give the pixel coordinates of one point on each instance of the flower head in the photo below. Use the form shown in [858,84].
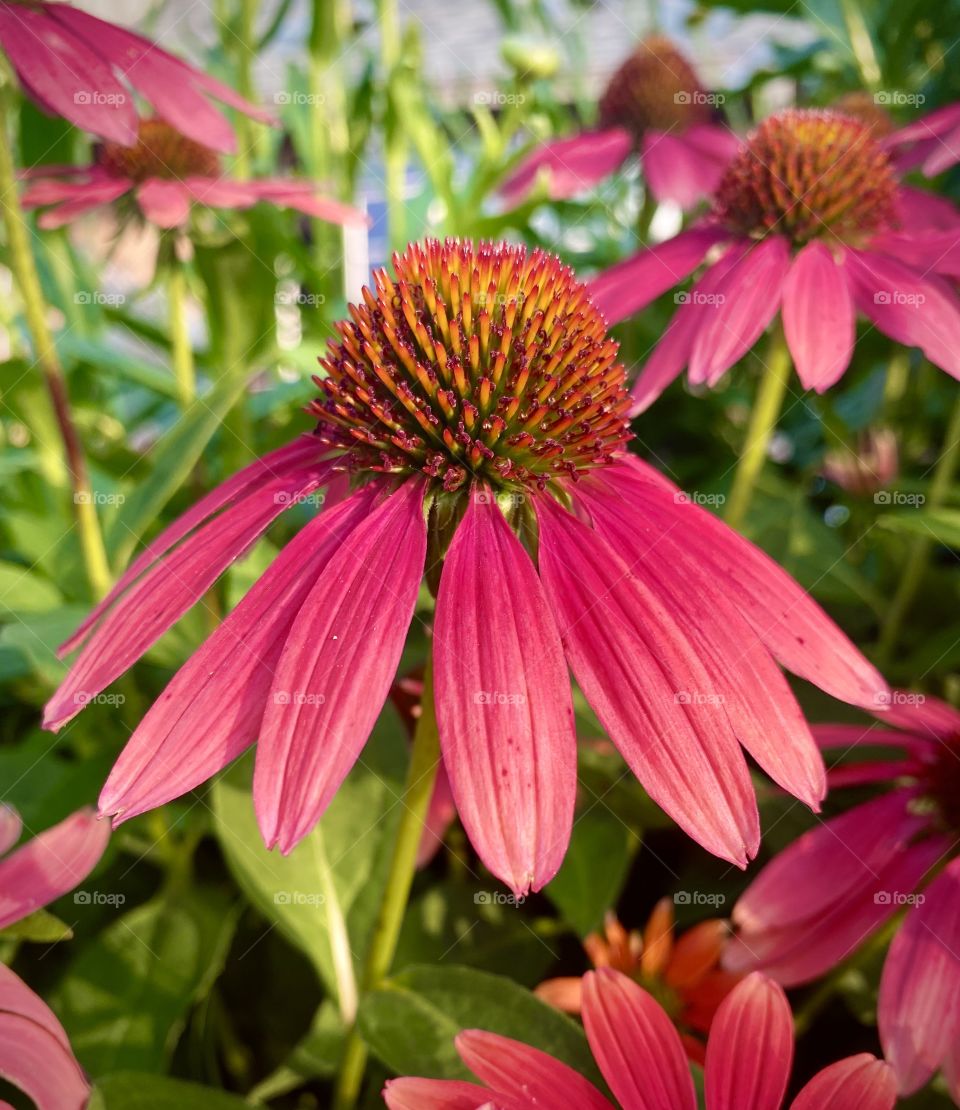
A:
[475,409]
[817,901]
[81,68]
[640,1055]
[809,220]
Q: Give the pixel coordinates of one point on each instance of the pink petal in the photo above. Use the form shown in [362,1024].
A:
[337,666]
[65,75]
[50,864]
[919,1005]
[850,736]
[52,190]
[164,203]
[171,86]
[687,166]
[571,165]
[924,251]
[924,716]
[285,460]
[918,311]
[750,1048]
[818,317]
[634,1042]
[756,698]
[921,210]
[211,711]
[513,762]
[221,192]
[513,1068]
[169,588]
[10,828]
[70,210]
[634,663]
[751,292]
[640,279]
[445,1094]
[672,353]
[303,196]
[785,617]
[441,814]
[858,1083]
[34,1052]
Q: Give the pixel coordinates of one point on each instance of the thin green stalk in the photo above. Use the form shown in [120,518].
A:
[246,50]
[25,274]
[395,145]
[919,554]
[182,348]
[421,775]
[861,44]
[763,423]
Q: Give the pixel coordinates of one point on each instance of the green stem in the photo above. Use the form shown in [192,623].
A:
[24,270]
[421,775]
[861,44]
[920,548]
[246,47]
[763,423]
[395,146]
[182,349]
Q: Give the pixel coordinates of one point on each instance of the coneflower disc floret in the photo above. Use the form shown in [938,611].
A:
[160,151]
[484,363]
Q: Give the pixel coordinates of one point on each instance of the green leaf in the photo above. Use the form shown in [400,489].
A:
[334,876]
[130,1090]
[126,996]
[172,462]
[937,525]
[410,1023]
[40,927]
[594,869]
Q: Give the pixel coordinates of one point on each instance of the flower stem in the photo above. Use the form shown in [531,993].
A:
[25,274]
[861,44]
[421,775]
[395,146]
[943,474]
[183,368]
[763,423]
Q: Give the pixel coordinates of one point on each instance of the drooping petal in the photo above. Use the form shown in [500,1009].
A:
[211,710]
[50,864]
[750,297]
[445,1094]
[818,317]
[919,1016]
[164,203]
[750,1050]
[858,1083]
[785,617]
[686,166]
[64,75]
[571,165]
[512,1068]
[303,196]
[640,279]
[336,667]
[643,677]
[935,250]
[921,210]
[170,85]
[35,1054]
[10,828]
[635,1044]
[755,696]
[169,588]
[503,701]
[922,715]
[86,198]
[302,452]
[915,310]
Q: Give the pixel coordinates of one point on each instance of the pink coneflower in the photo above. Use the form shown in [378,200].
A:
[81,68]
[654,105]
[35,1054]
[476,405]
[164,175]
[808,220]
[817,901]
[868,467]
[639,1053]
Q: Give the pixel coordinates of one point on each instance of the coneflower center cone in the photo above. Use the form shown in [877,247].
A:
[483,363]
[809,174]
[160,151]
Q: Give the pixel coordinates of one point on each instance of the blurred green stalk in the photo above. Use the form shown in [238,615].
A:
[394,140]
[24,269]
[182,349]
[915,567]
[246,51]
[763,423]
[417,791]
